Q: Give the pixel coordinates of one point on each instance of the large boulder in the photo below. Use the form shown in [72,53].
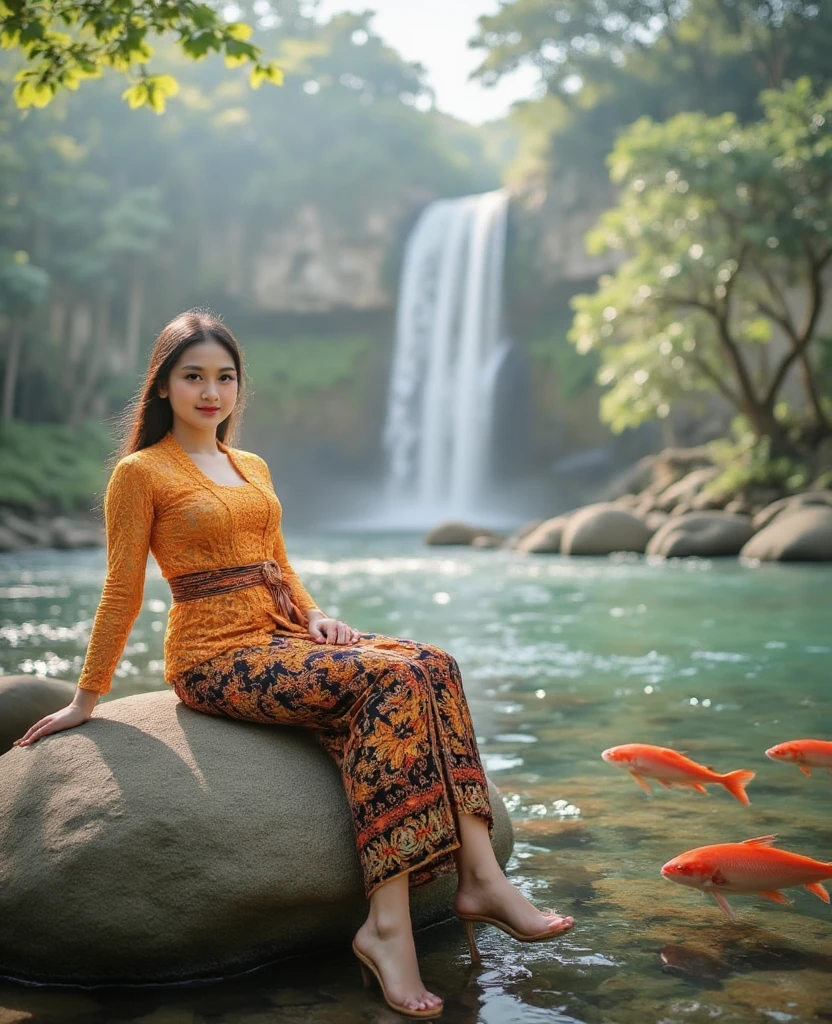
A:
[546,539]
[791,504]
[156,843]
[706,534]
[24,700]
[603,528]
[804,535]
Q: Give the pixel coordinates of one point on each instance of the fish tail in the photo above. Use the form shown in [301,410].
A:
[735,783]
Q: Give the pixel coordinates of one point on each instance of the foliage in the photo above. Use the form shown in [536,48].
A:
[50,468]
[603,63]
[22,287]
[64,42]
[303,367]
[725,232]
[748,462]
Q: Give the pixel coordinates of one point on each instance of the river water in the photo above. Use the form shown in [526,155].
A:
[561,658]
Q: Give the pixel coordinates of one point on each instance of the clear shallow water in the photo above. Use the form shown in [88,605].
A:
[561,658]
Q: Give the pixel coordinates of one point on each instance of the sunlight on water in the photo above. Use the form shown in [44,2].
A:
[561,658]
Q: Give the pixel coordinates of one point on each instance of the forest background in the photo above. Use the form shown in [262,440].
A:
[698,311]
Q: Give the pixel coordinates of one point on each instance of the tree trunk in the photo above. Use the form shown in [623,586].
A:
[12,368]
[133,328]
[94,362]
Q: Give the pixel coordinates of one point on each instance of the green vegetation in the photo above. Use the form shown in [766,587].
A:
[713,118]
[47,468]
[726,231]
[64,42]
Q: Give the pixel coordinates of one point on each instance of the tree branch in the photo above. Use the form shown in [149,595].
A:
[801,341]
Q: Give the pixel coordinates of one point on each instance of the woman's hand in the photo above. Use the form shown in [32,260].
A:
[325,630]
[67,718]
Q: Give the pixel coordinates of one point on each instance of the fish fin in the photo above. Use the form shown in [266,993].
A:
[664,783]
[819,889]
[805,769]
[699,788]
[724,905]
[642,782]
[775,896]
[735,783]
[760,841]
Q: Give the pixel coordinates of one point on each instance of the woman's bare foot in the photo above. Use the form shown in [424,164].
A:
[494,896]
[393,952]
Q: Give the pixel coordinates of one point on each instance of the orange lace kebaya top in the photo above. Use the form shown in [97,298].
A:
[158,500]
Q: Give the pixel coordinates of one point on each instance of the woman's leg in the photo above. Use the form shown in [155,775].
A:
[482,887]
[387,938]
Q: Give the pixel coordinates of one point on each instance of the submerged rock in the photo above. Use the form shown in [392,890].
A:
[804,535]
[706,534]
[453,532]
[603,528]
[26,699]
[155,843]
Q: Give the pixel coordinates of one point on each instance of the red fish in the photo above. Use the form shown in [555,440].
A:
[670,768]
[806,754]
[753,868]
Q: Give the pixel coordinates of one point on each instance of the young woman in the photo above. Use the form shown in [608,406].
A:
[245,639]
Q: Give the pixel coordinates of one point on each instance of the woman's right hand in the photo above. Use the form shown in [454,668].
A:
[66,718]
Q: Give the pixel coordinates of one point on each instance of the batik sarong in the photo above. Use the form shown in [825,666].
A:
[393,716]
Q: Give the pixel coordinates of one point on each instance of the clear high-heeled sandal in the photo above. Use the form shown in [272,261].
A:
[468,921]
[369,970]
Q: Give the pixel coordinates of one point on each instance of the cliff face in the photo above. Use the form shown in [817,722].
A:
[316,264]
[552,220]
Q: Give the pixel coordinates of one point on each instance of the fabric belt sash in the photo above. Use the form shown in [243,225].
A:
[191,585]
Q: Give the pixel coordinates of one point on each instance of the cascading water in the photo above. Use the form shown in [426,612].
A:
[449,347]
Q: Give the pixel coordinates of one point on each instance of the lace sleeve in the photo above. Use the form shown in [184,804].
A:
[128,515]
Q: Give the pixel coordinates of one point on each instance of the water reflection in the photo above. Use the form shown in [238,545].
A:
[561,659]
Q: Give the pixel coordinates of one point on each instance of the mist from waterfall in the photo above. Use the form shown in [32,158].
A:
[448,350]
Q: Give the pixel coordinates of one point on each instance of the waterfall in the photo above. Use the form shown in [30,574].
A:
[448,350]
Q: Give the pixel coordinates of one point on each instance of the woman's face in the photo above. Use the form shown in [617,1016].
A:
[203,385]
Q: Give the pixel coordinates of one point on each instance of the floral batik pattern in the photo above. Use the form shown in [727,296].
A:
[393,716]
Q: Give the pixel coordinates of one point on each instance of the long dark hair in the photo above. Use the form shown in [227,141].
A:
[147,418]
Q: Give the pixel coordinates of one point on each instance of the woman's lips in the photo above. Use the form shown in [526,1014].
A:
[208,412]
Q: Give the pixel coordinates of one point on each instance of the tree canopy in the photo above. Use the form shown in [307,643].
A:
[64,42]
[726,233]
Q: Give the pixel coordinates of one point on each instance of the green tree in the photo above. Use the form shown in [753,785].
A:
[603,63]
[23,289]
[726,233]
[64,42]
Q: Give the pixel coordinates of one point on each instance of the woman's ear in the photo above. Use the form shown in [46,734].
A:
[162,391]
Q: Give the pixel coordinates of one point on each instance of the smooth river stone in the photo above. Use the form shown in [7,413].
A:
[156,843]
[602,529]
[26,699]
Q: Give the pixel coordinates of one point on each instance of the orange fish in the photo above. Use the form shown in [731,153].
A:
[806,754]
[752,868]
[670,768]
